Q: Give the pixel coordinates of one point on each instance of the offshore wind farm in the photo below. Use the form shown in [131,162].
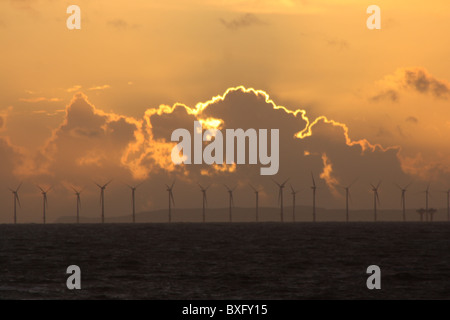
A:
[225,149]
[256,213]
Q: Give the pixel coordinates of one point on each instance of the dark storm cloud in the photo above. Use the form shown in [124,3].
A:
[423,82]
[391,95]
[243,21]
[412,119]
[415,79]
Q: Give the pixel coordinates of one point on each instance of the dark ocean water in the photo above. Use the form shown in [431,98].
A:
[226,261]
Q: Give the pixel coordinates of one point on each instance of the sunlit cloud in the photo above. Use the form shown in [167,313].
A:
[40,99]
[103,87]
[73,89]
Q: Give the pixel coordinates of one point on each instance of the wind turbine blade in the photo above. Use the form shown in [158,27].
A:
[11,190]
[292,189]
[408,185]
[276,183]
[207,187]
[18,200]
[285,182]
[232,200]
[108,182]
[226,187]
[201,187]
[398,186]
[314,181]
[378,185]
[173,183]
[171,197]
[40,188]
[350,196]
[49,189]
[354,181]
[98,185]
[167,186]
[378,198]
[129,186]
[139,184]
[372,186]
[252,187]
[19,186]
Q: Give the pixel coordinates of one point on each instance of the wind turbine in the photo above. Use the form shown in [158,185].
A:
[204,200]
[133,190]
[313,187]
[427,194]
[77,193]
[376,199]
[257,200]
[347,198]
[102,198]
[44,200]
[448,204]
[16,200]
[403,199]
[293,192]
[280,196]
[231,201]
[171,200]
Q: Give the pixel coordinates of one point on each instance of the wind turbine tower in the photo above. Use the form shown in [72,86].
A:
[204,200]
[16,201]
[403,200]
[257,200]
[78,193]
[171,200]
[313,187]
[280,197]
[133,199]
[102,198]
[293,192]
[231,201]
[44,201]
[376,199]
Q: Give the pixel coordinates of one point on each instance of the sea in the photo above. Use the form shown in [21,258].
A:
[226,261]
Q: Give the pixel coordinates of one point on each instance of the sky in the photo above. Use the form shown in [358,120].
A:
[100,103]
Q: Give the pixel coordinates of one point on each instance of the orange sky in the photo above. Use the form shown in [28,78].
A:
[389,86]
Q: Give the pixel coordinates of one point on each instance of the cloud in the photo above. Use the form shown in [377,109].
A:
[412,119]
[73,89]
[86,134]
[103,87]
[118,23]
[414,79]
[421,81]
[91,144]
[338,43]
[327,175]
[244,21]
[389,94]
[40,99]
